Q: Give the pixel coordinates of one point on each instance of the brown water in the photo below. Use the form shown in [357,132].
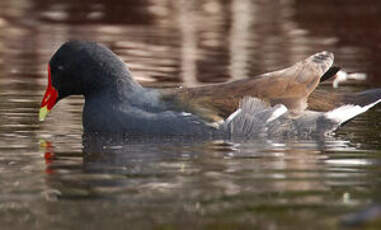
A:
[47,182]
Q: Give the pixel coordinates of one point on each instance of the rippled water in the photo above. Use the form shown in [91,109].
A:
[49,180]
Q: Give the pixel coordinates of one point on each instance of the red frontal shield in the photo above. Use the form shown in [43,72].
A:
[50,98]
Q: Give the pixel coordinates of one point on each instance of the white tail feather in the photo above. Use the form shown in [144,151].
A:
[347,112]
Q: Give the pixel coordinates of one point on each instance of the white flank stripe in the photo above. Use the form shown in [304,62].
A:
[185,114]
[233,115]
[277,113]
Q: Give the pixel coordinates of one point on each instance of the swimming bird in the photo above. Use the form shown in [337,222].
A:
[278,103]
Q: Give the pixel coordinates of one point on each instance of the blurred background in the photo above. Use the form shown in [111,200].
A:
[47,182]
[193,42]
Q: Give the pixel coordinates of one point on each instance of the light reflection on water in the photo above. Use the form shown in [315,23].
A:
[48,179]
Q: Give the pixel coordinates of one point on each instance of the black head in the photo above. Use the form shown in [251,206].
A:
[85,68]
[82,67]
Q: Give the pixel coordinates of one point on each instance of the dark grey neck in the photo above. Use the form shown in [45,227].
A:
[123,92]
[110,77]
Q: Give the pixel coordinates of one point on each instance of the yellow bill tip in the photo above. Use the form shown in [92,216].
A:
[42,143]
[43,112]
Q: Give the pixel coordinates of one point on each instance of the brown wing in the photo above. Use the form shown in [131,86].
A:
[290,86]
[293,85]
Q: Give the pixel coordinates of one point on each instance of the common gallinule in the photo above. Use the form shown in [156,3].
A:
[272,104]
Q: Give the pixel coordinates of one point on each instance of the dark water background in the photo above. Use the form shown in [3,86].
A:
[46,182]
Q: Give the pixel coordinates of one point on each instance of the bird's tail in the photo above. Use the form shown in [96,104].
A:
[252,117]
